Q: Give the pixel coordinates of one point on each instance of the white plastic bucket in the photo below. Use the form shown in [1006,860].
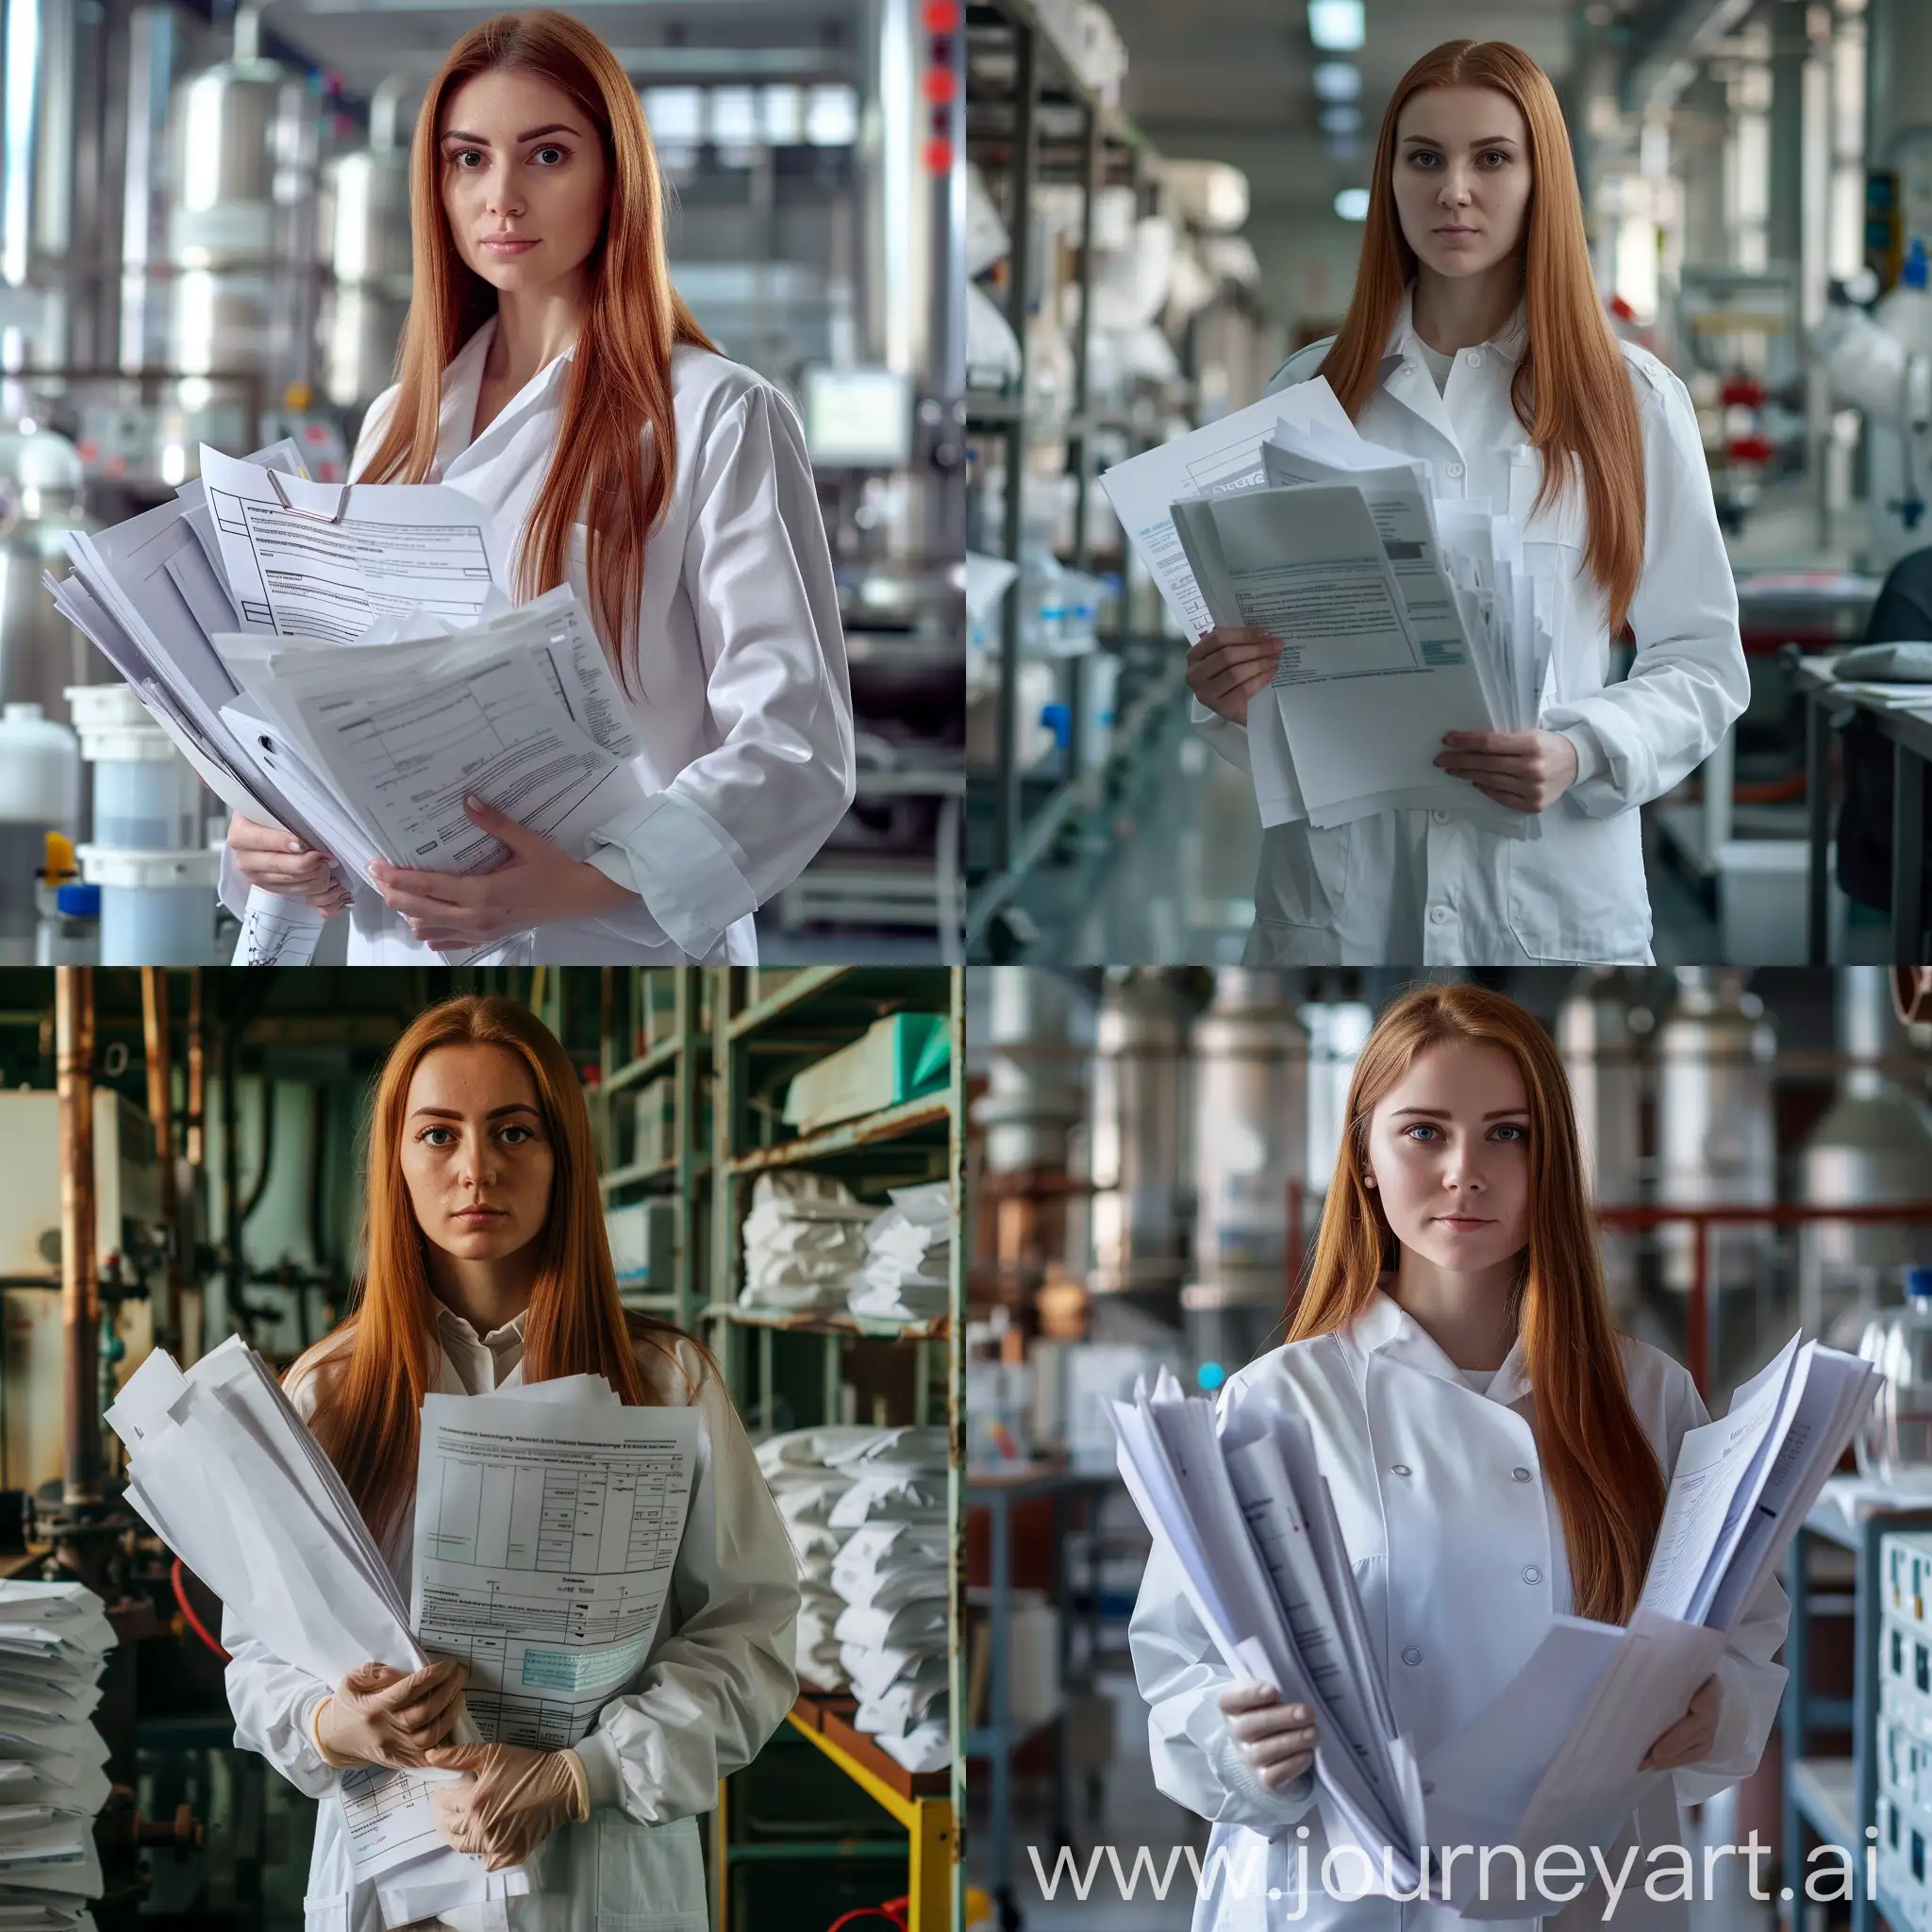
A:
[157,908]
[146,795]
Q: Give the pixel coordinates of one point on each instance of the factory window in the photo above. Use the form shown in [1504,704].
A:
[831,119]
[1922,1668]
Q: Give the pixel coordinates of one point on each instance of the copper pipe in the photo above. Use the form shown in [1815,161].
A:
[80,1301]
[196,1147]
[160,1113]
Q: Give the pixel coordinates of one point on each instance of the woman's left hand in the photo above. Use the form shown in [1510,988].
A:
[1688,1740]
[535,886]
[1528,771]
[515,1800]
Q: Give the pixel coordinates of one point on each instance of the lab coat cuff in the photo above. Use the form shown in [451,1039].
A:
[685,868]
[311,1720]
[1590,762]
[231,887]
[1751,1692]
[579,1786]
[1260,1807]
[1229,738]
[603,1779]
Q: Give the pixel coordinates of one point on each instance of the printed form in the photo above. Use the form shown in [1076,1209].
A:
[546,1539]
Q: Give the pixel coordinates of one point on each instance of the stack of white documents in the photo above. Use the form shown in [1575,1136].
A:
[228,610]
[1552,1760]
[1249,1520]
[804,1239]
[1402,616]
[910,1257]
[54,1641]
[805,1487]
[548,1520]
[232,1481]
[892,1631]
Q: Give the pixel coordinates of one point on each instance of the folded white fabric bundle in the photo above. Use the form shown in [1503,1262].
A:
[900,1451]
[819,1664]
[890,1499]
[926,1746]
[53,1643]
[808,1504]
[905,1272]
[874,1672]
[803,1238]
[808,1448]
[919,1624]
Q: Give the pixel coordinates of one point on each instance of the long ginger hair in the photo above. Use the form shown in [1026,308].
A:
[1606,1479]
[1583,416]
[380,1359]
[616,452]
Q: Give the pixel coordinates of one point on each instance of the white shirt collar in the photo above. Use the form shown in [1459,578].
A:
[1386,1325]
[1509,340]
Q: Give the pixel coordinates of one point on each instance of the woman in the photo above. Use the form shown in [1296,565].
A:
[487,1268]
[549,368]
[1475,340]
[1495,1450]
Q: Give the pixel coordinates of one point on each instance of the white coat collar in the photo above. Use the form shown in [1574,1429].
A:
[1386,1325]
[463,383]
[1406,375]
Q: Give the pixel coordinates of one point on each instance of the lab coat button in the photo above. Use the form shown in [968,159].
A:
[1455,468]
[1441,818]
[1522,1475]
[1428,1790]
[1399,1467]
[1531,1573]
[1412,1656]
[1439,915]
[1474,358]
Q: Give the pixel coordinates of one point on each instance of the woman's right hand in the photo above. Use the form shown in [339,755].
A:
[378,1715]
[278,862]
[1277,1739]
[1227,665]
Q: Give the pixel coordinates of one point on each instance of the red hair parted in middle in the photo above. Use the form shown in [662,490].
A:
[1609,1484]
[602,471]
[380,1359]
[1572,391]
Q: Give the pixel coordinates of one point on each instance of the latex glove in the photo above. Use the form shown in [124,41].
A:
[1277,1739]
[1688,1740]
[517,1798]
[379,1715]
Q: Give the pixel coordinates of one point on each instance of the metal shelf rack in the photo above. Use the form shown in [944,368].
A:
[1045,126]
[764,1028]
[1834,1798]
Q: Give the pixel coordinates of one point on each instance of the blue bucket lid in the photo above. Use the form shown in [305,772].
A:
[83,902]
[1918,1281]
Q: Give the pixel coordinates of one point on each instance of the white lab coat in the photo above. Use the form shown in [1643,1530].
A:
[1432,888]
[716,1684]
[738,687]
[1462,1563]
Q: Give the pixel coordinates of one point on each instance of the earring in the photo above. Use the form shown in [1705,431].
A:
[1368,1179]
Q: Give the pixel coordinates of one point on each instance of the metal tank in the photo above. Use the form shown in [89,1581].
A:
[366,250]
[1338,1030]
[1136,1134]
[1716,1128]
[1250,1108]
[1874,1146]
[1601,1029]
[244,137]
[41,486]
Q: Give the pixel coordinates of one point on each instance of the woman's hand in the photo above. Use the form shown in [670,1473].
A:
[517,1798]
[1227,666]
[278,862]
[1688,1740]
[535,886]
[379,1715]
[1528,771]
[1277,1739]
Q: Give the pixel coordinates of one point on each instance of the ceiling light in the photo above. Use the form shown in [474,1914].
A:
[1352,204]
[1340,119]
[1335,80]
[1336,25]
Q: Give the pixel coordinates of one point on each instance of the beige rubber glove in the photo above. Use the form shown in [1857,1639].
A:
[379,1715]
[516,1799]
[1276,1738]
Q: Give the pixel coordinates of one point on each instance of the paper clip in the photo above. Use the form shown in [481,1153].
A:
[275,477]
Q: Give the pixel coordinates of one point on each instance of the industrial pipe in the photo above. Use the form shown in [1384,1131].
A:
[80,1302]
[160,1113]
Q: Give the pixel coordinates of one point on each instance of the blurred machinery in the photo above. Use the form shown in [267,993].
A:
[1249,1146]
[365,244]
[1137,1149]
[1601,1028]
